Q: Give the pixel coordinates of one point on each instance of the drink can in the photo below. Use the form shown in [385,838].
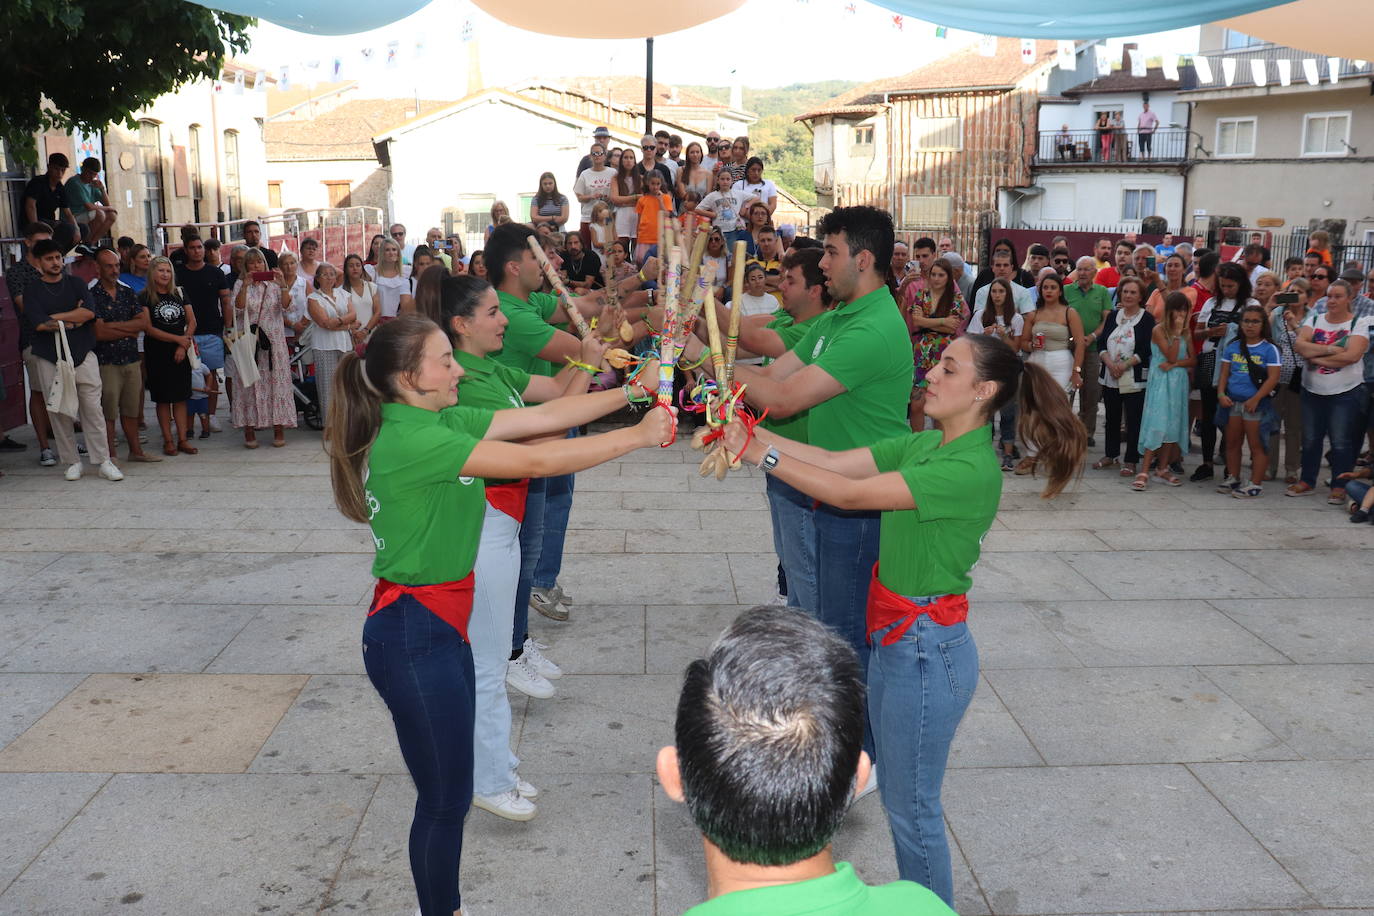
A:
[1039,341]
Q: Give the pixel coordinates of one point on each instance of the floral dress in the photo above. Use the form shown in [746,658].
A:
[928,346]
[270,402]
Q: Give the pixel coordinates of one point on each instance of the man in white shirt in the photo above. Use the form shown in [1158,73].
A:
[592,185]
[1004,269]
[709,160]
[1253,261]
[1145,128]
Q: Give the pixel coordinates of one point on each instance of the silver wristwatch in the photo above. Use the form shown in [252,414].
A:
[769,460]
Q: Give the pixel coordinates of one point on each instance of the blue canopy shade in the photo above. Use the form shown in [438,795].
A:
[322,17]
[1072,18]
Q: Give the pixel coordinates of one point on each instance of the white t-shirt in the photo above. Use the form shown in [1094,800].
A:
[1020,296]
[390,289]
[300,291]
[593,181]
[335,306]
[765,190]
[1325,380]
[766,304]
[976,326]
[726,207]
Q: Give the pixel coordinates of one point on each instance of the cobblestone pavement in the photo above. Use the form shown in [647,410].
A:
[1174,715]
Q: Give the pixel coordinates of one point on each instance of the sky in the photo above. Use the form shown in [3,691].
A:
[861,46]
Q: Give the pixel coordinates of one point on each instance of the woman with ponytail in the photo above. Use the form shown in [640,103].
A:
[470,313]
[938,493]
[408,462]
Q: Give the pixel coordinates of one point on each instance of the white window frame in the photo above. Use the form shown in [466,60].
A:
[1302,139]
[872,134]
[913,222]
[958,130]
[1073,201]
[1138,188]
[1254,139]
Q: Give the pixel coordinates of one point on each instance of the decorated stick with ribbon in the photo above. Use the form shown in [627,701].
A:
[736,312]
[713,332]
[557,283]
[667,350]
[692,292]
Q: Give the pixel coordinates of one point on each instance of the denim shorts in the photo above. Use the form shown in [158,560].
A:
[1238,410]
[211,348]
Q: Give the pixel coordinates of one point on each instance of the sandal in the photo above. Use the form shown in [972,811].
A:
[1337,497]
[1128,470]
[168,448]
[1298,489]
[1168,478]
[1291,479]
[1142,480]
[187,448]
[278,443]
[250,443]
[1027,466]
[1104,462]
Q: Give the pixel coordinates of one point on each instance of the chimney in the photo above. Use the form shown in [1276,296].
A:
[736,92]
[474,66]
[1126,51]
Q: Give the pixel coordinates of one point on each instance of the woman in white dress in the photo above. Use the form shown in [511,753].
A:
[393,286]
[332,312]
[363,297]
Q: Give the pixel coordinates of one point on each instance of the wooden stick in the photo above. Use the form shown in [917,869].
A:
[557,283]
[736,312]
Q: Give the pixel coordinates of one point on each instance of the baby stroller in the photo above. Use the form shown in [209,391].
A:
[303,386]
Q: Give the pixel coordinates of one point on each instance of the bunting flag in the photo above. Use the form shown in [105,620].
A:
[1137,63]
[1104,61]
[1259,73]
[393,54]
[260,81]
[850,9]
[336,70]
[1203,67]
[987,45]
[1285,71]
[897,23]
[1169,64]
[1028,50]
[1309,70]
[1361,64]
[239,78]
[1228,70]
[941,32]
[284,78]
[1064,57]
[1333,66]
[468,30]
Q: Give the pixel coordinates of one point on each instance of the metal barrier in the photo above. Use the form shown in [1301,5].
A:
[339,230]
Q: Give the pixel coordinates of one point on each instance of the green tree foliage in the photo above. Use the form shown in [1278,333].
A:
[782,143]
[83,64]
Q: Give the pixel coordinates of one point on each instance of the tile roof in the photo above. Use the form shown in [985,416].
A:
[629,90]
[344,132]
[965,69]
[1122,81]
[279,100]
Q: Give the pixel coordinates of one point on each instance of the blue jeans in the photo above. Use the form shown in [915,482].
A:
[846,549]
[1355,490]
[1006,423]
[794,541]
[422,667]
[558,497]
[1339,417]
[531,541]
[918,689]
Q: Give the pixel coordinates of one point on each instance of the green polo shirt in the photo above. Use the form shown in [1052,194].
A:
[840,894]
[426,518]
[1091,306]
[79,193]
[932,549]
[864,345]
[794,427]
[490,385]
[528,332]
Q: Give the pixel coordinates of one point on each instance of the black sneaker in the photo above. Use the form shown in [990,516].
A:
[1203,472]
[1007,461]
[9,445]
[1359,515]
[1091,442]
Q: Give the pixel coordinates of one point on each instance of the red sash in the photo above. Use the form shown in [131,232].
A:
[886,607]
[451,602]
[509,498]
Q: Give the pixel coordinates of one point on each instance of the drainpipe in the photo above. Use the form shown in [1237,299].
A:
[891,151]
[219,159]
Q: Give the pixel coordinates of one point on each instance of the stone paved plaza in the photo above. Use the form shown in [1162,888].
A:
[1176,711]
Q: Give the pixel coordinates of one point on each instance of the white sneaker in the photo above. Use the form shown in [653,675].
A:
[214,424]
[871,786]
[509,804]
[525,789]
[110,471]
[537,659]
[562,597]
[779,599]
[74,472]
[521,675]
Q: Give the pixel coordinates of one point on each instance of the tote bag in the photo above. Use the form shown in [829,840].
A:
[243,347]
[62,397]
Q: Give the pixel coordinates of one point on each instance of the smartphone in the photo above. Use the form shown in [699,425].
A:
[262,275]
[1150,262]
[1286,298]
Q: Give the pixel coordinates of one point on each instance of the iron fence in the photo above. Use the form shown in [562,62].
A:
[1113,147]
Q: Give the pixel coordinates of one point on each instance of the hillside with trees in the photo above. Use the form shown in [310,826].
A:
[779,141]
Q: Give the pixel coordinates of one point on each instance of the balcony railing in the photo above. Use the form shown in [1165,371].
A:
[1111,148]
